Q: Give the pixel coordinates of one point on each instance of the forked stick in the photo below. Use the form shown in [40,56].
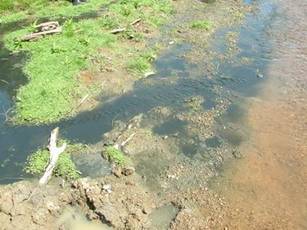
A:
[54,156]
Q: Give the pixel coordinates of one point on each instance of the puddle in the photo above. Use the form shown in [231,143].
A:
[162,217]
[91,164]
[213,142]
[170,127]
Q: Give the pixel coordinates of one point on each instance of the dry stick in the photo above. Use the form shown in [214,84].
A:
[54,156]
[51,23]
[119,30]
[116,31]
[32,36]
[83,100]
[128,139]
[135,21]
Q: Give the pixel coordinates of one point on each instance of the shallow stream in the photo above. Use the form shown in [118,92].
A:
[175,81]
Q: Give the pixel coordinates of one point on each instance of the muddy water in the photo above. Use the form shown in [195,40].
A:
[267,188]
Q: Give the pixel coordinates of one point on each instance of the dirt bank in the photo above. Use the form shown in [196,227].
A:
[107,202]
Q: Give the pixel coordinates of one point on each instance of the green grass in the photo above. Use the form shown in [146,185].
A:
[142,63]
[114,155]
[202,24]
[38,161]
[13,5]
[54,61]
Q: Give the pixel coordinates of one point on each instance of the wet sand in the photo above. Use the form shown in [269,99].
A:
[267,188]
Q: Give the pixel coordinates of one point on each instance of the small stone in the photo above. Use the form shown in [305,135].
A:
[107,188]
[117,171]
[165,137]
[149,74]
[171,176]
[130,183]
[237,154]
[128,171]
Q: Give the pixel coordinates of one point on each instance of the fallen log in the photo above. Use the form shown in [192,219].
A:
[34,36]
[54,156]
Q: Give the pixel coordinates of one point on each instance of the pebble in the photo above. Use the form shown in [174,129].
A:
[107,188]
[128,171]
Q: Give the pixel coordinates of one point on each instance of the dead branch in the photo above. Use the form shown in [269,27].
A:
[116,31]
[135,21]
[120,30]
[37,35]
[54,156]
[127,140]
[47,26]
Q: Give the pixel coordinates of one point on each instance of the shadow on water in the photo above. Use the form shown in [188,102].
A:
[88,127]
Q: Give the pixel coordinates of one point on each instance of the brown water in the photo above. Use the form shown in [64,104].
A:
[267,189]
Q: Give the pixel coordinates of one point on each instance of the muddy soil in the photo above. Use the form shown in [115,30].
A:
[108,203]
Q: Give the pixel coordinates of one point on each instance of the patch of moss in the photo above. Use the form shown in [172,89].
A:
[202,24]
[39,160]
[142,63]
[114,155]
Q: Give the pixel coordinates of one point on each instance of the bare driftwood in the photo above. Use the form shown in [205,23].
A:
[43,29]
[54,156]
[47,26]
[38,35]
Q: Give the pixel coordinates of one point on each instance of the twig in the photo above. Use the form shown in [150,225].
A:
[135,21]
[119,30]
[83,100]
[5,114]
[127,140]
[4,81]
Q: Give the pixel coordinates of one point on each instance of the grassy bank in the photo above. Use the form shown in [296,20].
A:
[54,89]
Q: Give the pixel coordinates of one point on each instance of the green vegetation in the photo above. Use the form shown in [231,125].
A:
[38,161]
[54,89]
[202,24]
[142,63]
[114,155]
[11,5]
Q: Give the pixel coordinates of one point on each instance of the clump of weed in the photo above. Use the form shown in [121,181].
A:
[141,63]
[202,24]
[114,155]
[194,103]
[69,28]
[65,168]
